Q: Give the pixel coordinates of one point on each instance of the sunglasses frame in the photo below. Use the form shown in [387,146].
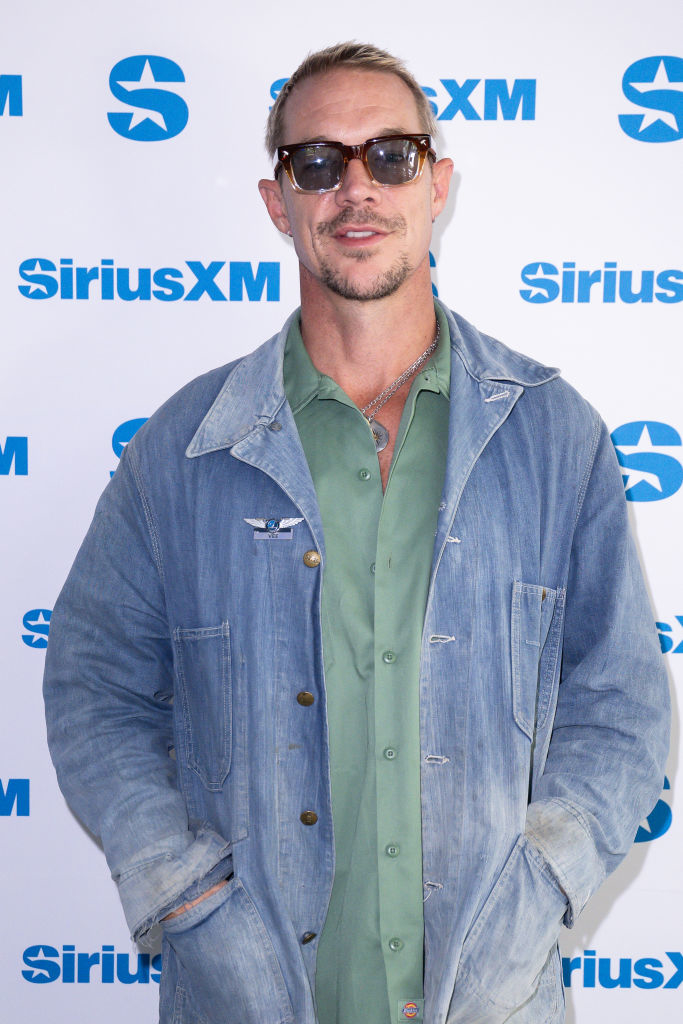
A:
[284,159]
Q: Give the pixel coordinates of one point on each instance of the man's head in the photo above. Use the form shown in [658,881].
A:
[363,57]
[359,238]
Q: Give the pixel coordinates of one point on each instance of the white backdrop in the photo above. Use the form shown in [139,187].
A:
[565,124]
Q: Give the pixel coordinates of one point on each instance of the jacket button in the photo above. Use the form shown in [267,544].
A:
[307,937]
[312,559]
[305,698]
[308,818]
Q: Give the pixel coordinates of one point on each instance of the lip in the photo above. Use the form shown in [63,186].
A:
[354,241]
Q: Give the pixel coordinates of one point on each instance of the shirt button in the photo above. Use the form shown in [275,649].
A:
[307,937]
[305,698]
[364,474]
[308,817]
[312,559]
[392,850]
[389,657]
[372,568]
[395,944]
[390,753]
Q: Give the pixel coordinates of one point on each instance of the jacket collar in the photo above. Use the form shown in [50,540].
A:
[253,392]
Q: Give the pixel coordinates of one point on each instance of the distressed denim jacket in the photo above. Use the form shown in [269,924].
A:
[181,640]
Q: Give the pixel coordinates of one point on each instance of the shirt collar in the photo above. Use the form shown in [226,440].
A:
[303,382]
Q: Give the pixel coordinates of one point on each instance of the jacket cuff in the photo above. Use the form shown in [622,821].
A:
[161,873]
[557,829]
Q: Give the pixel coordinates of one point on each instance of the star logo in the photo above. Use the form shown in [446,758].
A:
[38,622]
[158,113]
[145,81]
[655,86]
[648,471]
[661,80]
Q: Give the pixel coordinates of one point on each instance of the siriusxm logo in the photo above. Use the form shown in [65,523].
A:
[667,642]
[648,472]
[14,453]
[37,622]
[655,84]
[123,434]
[107,282]
[11,95]
[658,820]
[46,964]
[158,113]
[15,797]
[498,99]
[648,972]
[609,284]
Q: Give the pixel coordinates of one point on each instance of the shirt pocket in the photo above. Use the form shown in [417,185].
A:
[535,642]
[203,667]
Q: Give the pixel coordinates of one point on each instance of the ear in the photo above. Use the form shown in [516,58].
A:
[271,194]
[442,172]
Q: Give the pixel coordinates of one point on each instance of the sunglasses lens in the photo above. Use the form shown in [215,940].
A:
[394,161]
[317,168]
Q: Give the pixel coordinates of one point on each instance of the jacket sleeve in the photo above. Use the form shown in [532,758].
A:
[607,754]
[108,688]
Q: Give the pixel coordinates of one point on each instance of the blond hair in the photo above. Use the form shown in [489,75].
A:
[363,56]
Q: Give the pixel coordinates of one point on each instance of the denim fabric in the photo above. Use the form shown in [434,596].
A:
[543,698]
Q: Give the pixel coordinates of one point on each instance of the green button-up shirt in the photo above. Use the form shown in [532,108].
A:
[376,576]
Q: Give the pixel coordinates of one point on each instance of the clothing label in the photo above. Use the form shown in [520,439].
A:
[410,1009]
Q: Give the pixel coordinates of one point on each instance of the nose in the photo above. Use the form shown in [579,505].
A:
[357,186]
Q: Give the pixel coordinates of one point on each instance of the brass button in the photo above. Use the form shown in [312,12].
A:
[308,817]
[308,937]
[312,559]
[305,698]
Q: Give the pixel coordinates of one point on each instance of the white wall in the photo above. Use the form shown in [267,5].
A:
[566,184]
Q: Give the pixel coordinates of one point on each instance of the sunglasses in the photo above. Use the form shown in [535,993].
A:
[315,167]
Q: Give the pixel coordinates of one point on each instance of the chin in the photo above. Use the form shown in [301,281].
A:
[378,287]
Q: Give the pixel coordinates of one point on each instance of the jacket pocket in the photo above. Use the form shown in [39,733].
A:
[534,645]
[227,968]
[203,667]
[512,944]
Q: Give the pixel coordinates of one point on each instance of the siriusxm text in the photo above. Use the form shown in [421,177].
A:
[217,281]
[45,964]
[547,282]
[15,798]
[475,99]
[648,972]
[14,456]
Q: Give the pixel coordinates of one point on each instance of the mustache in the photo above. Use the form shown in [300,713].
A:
[350,218]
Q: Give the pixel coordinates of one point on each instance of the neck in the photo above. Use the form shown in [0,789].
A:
[364,346]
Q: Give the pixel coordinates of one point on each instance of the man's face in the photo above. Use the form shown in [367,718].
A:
[363,241]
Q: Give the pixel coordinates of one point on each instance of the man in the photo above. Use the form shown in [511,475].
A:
[357,681]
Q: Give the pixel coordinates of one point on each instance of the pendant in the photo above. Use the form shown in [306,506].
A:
[380,434]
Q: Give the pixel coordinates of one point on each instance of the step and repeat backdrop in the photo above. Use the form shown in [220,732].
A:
[136,254]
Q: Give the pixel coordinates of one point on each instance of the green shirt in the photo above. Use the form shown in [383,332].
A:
[376,576]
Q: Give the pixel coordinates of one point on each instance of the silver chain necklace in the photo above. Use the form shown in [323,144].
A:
[379,431]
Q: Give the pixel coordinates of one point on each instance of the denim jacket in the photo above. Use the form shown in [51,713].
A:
[182,638]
